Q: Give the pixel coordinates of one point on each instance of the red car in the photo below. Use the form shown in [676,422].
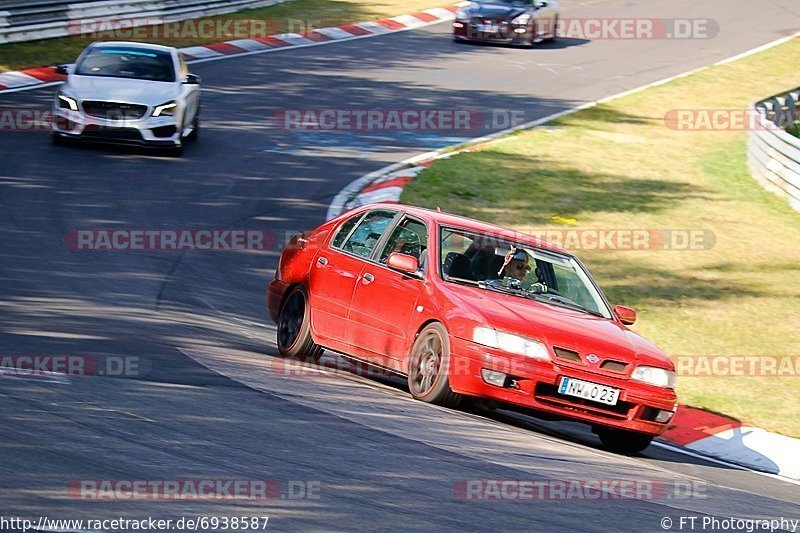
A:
[468,309]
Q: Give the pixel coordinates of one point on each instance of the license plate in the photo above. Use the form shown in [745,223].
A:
[588,391]
[489,28]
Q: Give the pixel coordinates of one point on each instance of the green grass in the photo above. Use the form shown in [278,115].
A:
[290,16]
[618,166]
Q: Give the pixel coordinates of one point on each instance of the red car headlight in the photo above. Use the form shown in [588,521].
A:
[510,343]
[660,377]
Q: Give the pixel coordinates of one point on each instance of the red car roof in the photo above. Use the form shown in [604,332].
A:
[449,219]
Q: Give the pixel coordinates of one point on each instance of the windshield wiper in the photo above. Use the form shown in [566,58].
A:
[496,285]
[462,280]
[555,298]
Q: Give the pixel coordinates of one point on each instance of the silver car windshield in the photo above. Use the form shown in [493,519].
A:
[123,62]
[492,262]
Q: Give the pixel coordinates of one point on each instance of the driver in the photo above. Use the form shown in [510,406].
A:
[516,264]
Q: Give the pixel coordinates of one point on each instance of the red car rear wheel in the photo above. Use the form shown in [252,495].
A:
[294,327]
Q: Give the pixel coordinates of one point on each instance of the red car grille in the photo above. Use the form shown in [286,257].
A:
[614,366]
[567,355]
[609,365]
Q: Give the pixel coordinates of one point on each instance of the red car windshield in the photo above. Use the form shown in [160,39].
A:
[492,262]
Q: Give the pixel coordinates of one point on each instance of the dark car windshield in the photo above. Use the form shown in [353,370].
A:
[510,2]
[123,62]
[494,263]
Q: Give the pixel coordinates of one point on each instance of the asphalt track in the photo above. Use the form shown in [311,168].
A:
[211,400]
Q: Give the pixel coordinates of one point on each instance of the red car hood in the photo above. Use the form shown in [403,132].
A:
[559,326]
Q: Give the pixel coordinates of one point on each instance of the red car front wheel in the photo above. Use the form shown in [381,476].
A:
[428,368]
[625,442]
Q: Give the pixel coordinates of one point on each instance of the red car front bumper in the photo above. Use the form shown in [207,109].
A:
[536,387]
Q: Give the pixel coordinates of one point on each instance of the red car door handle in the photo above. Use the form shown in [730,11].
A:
[368,278]
[322,261]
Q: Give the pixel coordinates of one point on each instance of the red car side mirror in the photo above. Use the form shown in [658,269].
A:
[626,315]
[402,262]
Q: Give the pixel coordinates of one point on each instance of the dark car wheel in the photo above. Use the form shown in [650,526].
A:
[294,327]
[58,140]
[174,151]
[429,362]
[625,442]
[195,129]
[553,32]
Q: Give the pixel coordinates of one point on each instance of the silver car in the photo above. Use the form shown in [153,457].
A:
[128,93]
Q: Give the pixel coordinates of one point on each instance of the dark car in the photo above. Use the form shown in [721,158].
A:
[517,22]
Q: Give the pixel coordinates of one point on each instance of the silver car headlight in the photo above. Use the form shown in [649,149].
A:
[462,14]
[165,110]
[660,377]
[65,102]
[510,343]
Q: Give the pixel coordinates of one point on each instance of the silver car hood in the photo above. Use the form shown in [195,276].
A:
[151,93]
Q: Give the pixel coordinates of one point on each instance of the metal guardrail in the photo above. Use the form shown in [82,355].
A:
[30,20]
[773,154]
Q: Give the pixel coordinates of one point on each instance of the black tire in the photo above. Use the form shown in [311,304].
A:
[624,442]
[554,36]
[428,367]
[532,33]
[195,129]
[174,151]
[57,139]
[479,406]
[294,328]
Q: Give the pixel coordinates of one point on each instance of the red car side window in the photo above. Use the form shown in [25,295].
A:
[410,237]
[362,240]
[345,230]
